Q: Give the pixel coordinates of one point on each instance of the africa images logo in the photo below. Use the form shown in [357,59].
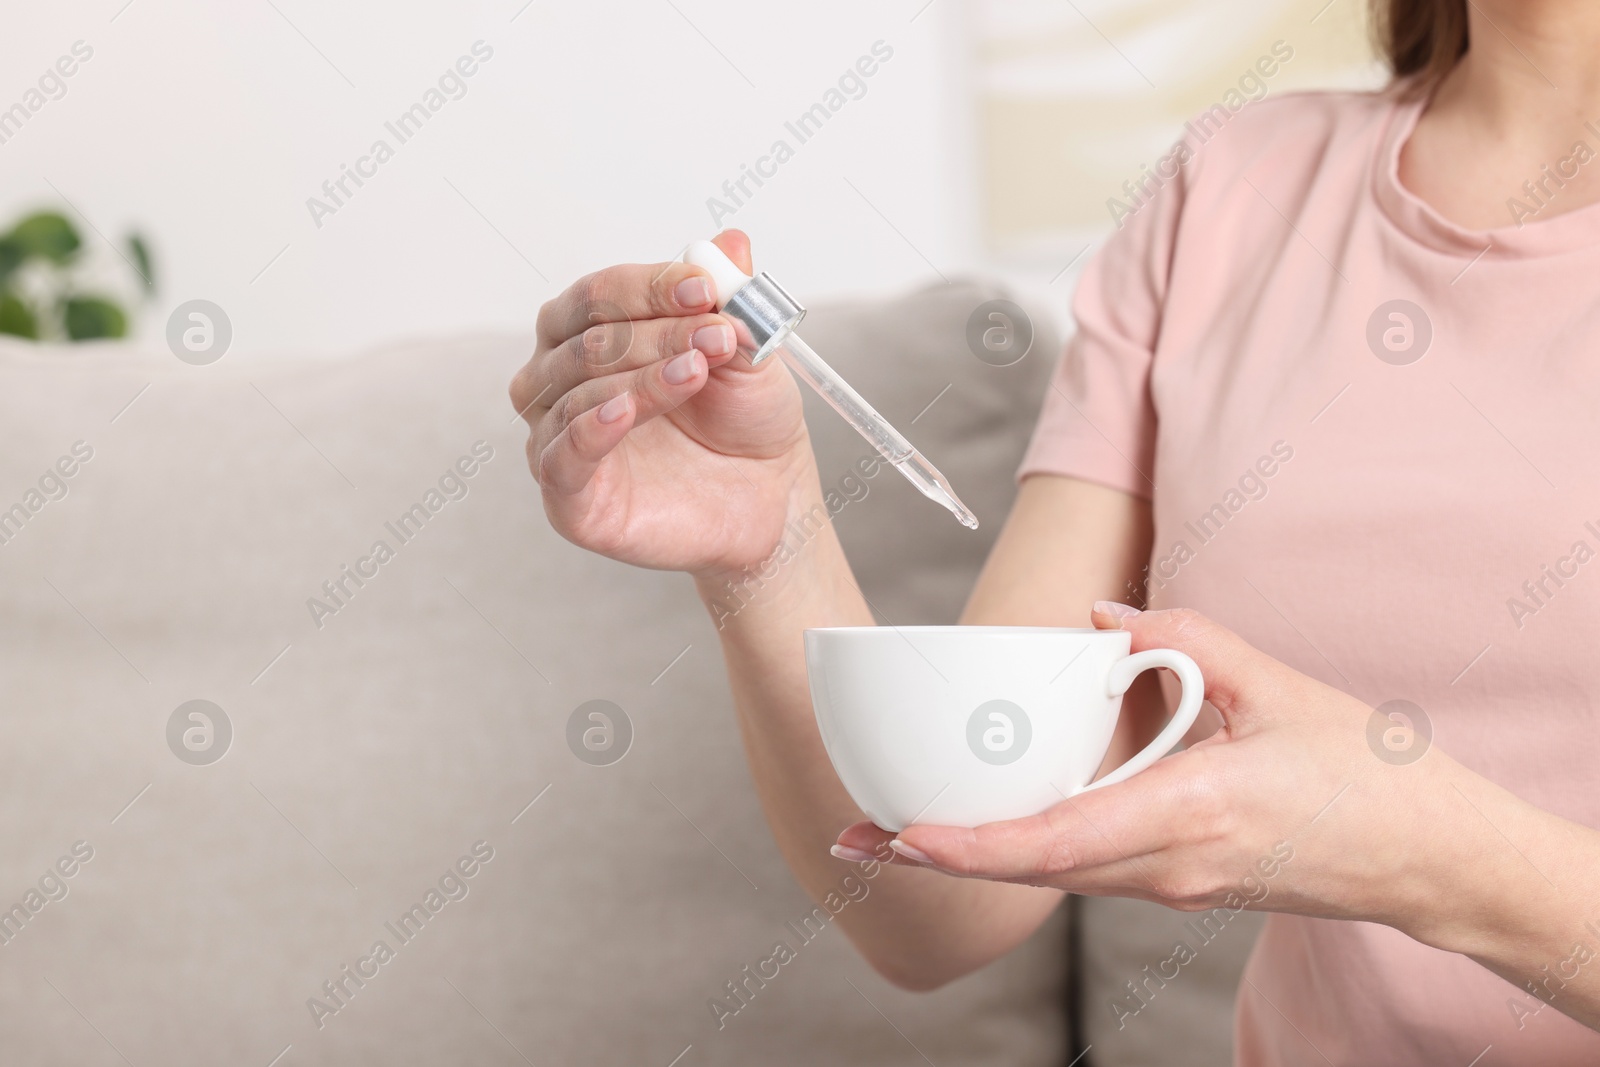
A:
[999,732]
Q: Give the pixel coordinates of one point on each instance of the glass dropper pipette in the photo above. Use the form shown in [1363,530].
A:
[764,318]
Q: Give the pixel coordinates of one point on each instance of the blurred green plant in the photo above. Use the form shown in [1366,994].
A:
[42,296]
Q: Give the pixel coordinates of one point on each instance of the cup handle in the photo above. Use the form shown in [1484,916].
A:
[1123,672]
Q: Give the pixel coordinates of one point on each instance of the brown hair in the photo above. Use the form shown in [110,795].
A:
[1421,40]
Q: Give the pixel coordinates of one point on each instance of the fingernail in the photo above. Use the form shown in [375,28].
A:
[714,340]
[910,853]
[681,368]
[693,292]
[614,409]
[1115,610]
[854,855]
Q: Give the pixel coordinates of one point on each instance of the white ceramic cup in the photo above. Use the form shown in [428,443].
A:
[964,725]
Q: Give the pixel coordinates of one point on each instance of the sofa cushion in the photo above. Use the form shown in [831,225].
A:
[400,770]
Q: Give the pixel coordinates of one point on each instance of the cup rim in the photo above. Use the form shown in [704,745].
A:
[996,631]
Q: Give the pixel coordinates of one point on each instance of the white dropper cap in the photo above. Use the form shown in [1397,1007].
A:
[761,312]
[727,277]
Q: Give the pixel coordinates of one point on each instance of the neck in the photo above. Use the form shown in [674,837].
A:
[1530,70]
[1524,99]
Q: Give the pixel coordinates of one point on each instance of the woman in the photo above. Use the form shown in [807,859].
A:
[1331,384]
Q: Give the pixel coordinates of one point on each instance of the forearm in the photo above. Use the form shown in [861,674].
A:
[918,928]
[1517,890]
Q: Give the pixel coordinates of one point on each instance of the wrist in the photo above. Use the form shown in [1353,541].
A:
[789,554]
[802,573]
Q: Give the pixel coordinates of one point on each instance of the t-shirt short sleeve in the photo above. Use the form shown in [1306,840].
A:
[1098,422]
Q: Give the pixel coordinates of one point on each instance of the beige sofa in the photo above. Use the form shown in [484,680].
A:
[401,855]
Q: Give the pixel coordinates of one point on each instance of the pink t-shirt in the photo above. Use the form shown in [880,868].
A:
[1400,499]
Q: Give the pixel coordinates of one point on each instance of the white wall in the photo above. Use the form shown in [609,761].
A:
[595,134]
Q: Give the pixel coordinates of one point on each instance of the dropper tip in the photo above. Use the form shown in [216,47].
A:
[962,513]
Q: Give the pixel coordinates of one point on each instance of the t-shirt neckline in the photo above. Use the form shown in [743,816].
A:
[1537,237]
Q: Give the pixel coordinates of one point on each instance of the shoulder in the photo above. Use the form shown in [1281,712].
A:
[1291,127]
[1289,147]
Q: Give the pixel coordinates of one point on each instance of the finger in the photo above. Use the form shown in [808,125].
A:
[611,348]
[1128,876]
[865,841]
[568,463]
[1028,849]
[735,244]
[631,292]
[1108,614]
[1141,878]
[1229,664]
[1117,824]
[655,389]
[591,420]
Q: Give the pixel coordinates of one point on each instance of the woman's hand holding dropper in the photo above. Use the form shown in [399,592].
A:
[655,443]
